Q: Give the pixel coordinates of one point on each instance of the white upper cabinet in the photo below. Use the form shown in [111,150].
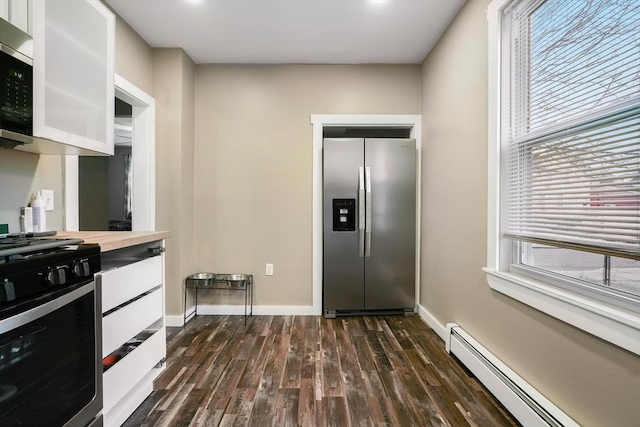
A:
[17,12]
[73,75]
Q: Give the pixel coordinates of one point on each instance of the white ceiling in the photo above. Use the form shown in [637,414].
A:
[292,31]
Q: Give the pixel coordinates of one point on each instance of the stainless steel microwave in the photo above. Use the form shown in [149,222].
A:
[16,86]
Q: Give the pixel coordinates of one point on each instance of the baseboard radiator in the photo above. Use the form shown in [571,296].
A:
[526,404]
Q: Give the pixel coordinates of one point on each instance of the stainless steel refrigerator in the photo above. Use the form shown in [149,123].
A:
[369,202]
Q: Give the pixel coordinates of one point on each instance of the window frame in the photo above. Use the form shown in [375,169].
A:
[596,291]
[610,322]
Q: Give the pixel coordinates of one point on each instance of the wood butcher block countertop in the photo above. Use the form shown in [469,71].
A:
[111,240]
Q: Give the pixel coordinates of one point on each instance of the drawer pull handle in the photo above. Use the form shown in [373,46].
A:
[157,250]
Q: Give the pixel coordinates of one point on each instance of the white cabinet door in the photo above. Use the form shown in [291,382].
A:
[73,72]
[18,12]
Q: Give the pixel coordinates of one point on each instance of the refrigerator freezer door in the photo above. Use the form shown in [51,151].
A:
[343,270]
[390,265]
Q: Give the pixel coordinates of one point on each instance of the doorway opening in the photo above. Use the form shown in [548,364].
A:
[105,184]
[348,124]
[87,205]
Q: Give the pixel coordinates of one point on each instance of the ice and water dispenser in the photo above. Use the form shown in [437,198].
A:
[344,214]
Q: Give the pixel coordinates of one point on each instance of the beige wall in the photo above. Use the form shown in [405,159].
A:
[594,382]
[93,193]
[173,82]
[21,175]
[253,158]
[134,57]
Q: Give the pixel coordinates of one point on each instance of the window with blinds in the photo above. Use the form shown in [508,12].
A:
[571,140]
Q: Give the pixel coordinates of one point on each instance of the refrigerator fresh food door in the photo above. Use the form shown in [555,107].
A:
[390,247]
[343,189]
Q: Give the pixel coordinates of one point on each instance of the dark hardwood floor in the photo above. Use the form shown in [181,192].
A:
[311,371]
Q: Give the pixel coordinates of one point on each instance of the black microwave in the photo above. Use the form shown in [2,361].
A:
[16,86]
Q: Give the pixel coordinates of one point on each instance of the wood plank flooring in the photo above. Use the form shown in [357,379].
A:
[311,371]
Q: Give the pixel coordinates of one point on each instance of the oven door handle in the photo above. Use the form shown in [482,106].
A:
[35,313]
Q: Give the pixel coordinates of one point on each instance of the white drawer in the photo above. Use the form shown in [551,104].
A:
[124,283]
[128,321]
[127,372]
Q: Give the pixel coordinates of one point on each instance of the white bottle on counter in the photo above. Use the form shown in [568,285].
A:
[39,213]
[26,219]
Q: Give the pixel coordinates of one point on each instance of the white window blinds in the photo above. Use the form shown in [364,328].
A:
[571,124]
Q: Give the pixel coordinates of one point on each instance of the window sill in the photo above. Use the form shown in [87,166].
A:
[615,325]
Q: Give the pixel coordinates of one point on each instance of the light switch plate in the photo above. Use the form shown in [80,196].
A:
[47,195]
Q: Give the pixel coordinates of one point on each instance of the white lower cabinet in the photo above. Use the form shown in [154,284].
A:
[125,375]
[133,329]
[130,281]
[129,321]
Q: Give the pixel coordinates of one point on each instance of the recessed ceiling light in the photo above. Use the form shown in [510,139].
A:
[193,1]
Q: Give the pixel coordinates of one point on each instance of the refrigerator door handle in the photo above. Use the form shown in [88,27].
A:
[367,219]
[361,210]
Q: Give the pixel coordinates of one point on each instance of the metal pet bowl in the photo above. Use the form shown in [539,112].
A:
[234,280]
[201,280]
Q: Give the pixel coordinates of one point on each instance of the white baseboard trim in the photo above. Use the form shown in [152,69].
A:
[432,322]
[258,310]
[283,310]
[177,321]
[173,321]
[190,314]
[228,310]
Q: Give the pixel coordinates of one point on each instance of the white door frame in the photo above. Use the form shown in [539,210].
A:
[143,166]
[319,121]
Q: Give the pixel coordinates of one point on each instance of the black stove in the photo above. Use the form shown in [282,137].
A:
[34,266]
[50,332]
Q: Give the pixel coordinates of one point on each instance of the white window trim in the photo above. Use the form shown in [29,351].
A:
[610,323]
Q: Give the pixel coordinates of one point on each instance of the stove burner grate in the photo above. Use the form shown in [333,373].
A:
[25,245]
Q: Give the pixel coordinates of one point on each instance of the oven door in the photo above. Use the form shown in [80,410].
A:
[49,361]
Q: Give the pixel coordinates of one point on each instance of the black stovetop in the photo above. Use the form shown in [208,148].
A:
[31,267]
[24,244]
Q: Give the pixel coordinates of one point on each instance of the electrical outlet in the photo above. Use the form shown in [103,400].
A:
[269,270]
[47,195]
